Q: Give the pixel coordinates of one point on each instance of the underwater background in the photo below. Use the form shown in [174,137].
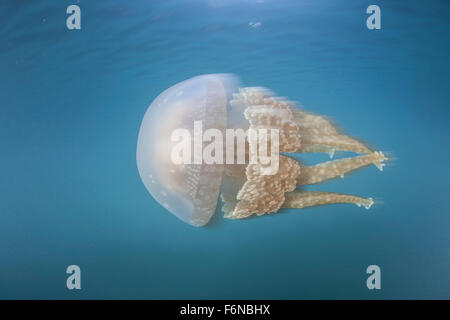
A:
[72,101]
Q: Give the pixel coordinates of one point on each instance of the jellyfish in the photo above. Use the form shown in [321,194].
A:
[191,190]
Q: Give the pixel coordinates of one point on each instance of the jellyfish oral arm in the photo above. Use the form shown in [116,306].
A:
[303,199]
[337,168]
[318,134]
[330,143]
[303,132]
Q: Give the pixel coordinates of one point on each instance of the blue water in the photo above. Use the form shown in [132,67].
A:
[71,103]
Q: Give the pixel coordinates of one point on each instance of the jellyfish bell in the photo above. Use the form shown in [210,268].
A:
[191,189]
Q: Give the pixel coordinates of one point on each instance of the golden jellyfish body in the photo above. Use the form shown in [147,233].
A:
[191,191]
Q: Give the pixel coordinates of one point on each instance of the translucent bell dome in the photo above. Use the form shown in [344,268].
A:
[189,191]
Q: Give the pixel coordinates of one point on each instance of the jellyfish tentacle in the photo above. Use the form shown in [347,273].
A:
[318,134]
[303,199]
[336,168]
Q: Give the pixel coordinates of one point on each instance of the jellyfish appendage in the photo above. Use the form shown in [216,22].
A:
[326,171]
[303,199]
[244,197]
[299,132]
[338,168]
[319,134]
